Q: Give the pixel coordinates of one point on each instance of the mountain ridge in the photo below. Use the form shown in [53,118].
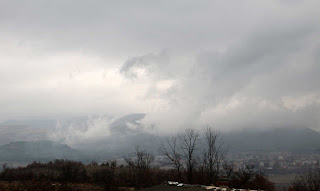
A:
[276,139]
[41,150]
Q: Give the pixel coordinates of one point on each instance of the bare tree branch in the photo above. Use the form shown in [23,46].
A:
[172,154]
[188,143]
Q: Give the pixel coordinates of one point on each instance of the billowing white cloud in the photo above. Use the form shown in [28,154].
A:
[296,103]
[233,64]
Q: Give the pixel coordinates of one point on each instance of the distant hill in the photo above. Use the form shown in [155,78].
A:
[28,151]
[26,143]
[13,132]
[281,139]
[127,124]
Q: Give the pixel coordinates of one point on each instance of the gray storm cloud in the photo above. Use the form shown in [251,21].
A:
[182,63]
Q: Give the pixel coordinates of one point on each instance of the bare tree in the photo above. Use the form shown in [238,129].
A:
[213,154]
[171,151]
[4,166]
[309,181]
[139,162]
[188,143]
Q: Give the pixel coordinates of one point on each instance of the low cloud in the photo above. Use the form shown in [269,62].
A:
[233,65]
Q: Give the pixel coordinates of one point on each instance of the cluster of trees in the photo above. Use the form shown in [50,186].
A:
[192,157]
[57,170]
[137,173]
[36,186]
[309,181]
[199,158]
[248,177]
[191,152]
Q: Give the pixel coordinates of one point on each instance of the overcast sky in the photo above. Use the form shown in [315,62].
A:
[233,64]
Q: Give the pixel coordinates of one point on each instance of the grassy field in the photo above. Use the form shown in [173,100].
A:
[282,182]
[282,179]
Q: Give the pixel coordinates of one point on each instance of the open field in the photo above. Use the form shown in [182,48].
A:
[282,181]
[282,178]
